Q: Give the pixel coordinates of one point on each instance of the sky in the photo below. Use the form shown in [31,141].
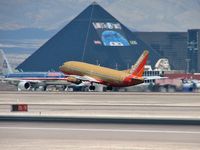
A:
[27,24]
[142,15]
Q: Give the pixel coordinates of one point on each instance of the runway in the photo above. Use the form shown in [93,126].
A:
[103,136]
[62,136]
[106,104]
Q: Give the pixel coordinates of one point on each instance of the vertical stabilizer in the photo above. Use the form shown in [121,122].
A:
[138,68]
[5,66]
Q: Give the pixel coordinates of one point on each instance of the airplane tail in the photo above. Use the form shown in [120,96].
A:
[4,64]
[138,68]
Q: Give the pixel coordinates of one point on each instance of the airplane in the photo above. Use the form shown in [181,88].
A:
[80,71]
[32,80]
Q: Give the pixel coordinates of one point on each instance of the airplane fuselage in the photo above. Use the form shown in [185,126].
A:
[104,75]
[36,75]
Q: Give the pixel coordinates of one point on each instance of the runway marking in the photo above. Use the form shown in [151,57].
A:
[102,130]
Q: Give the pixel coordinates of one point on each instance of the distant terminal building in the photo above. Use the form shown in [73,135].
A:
[170,45]
[182,49]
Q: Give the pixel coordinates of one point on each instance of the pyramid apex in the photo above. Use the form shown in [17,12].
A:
[94,3]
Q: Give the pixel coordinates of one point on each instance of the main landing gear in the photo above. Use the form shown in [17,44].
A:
[109,88]
[92,88]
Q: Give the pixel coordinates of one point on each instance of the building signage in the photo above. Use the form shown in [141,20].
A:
[110,33]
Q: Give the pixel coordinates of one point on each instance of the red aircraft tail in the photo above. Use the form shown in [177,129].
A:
[138,68]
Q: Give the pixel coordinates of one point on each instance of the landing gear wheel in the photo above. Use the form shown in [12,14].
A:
[45,88]
[109,88]
[92,88]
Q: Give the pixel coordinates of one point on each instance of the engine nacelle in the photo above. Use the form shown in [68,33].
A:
[74,80]
[23,85]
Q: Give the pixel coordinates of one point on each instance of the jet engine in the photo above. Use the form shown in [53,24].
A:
[74,80]
[23,85]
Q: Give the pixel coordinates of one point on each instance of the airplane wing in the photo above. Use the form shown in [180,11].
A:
[85,79]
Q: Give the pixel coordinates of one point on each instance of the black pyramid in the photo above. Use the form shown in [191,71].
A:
[94,36]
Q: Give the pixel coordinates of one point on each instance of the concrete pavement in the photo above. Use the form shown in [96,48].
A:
[107,104]
[62,136]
